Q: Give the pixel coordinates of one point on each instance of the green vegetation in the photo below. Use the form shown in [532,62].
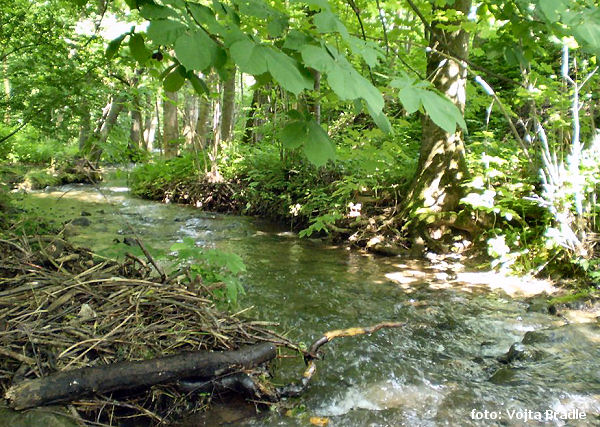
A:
[439,126]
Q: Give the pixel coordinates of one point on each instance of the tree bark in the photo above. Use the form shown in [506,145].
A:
[170,125]
[436,189]
[250,120]
[85,126]
[93,146]
[202,123]
[150,124]
[190,118]
[228,108]
[69,385]
[216,136]
[135,133]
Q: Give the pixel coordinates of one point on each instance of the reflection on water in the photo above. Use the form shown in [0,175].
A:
[434,371]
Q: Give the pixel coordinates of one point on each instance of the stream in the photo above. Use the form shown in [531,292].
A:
[440,369]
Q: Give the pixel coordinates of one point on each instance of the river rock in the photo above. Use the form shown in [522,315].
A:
[81,221]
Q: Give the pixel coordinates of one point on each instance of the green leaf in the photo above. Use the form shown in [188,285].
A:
[138,48]
[318,4]
[368,51]
[152,11]
[197,83]
[175,80]
[552,8]
[113,46]
[165,31]
[318,148]
[327,22]
[195,50]
[442,111]
[345,81]
[296,40]
[206,16]
[381,121]
[318,58]
[588,34]
[285,71]
[410,97]
[277,26]
[293,135]
[249,56]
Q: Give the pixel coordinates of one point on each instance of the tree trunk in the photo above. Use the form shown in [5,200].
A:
[190,118]
[170,125]
[202,123]
[436,188]
[6,84]
[249,127]
[85,126]
[135,133]
[150,123]
[213,153]
[228,108]
[93,146]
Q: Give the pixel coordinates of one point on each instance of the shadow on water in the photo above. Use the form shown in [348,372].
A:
[435,371]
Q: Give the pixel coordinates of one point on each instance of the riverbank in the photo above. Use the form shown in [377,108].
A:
[64,308]
[436,369]
[330,204]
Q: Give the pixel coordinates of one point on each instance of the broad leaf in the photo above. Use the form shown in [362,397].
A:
[381,121]
[249,56]
[410,97]
[196,50]
[443,112]
[152,11]
[318,148]
[318,58]
[206,16]
[197,83]
[285,71]
[165,31]
[138,48]
[175,80]
[327,22]
[293,135]
[113,46]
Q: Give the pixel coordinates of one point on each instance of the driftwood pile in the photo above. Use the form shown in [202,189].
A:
[64,308]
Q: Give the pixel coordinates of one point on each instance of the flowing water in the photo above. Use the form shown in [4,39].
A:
[440,369]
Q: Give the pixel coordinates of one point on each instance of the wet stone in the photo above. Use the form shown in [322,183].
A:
[81,221]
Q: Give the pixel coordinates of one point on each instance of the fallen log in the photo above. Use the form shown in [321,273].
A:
[69,385]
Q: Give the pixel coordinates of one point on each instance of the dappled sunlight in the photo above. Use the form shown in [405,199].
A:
[511,285]
[79,195]
[445,276]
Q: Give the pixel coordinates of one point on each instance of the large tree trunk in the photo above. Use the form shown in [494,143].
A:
[228,108]
[436,189]
[170,125]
